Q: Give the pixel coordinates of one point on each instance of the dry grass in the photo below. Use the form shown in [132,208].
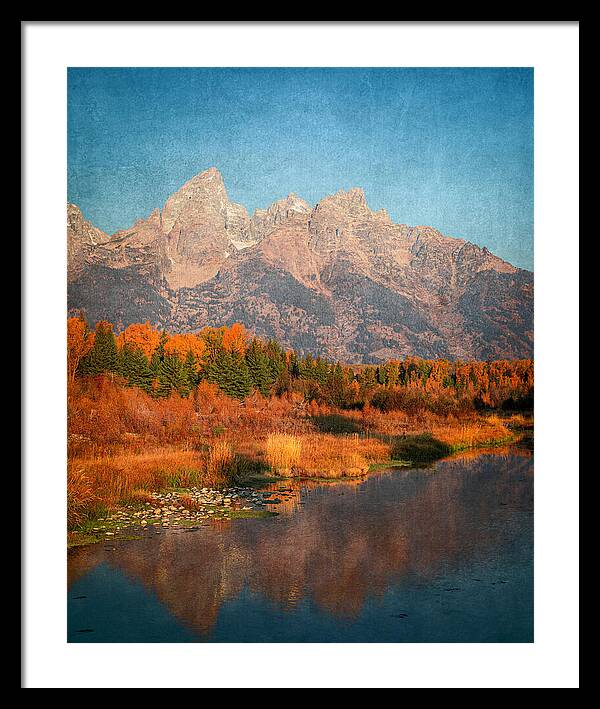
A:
[81,497]
[460,436]
[327,455]
[324,455]
[104,481]
[217,462]
[282,452]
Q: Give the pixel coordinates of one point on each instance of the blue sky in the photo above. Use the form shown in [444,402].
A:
[449,148]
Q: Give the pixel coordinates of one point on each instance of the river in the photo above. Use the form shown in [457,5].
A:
[437,554]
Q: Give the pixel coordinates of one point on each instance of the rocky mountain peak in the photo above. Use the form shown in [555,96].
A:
[344,207]
[82,230]
[353,200]
[338,278]
[203,195]
[155,217]
[82,240]
[293,203]
[211,178]
[265,220]
[340,214]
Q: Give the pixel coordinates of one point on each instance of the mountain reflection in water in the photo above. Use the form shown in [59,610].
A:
[436,554]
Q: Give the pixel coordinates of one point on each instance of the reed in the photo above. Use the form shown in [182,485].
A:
[218,459]
[81,496]
[323,455]
[283,452]
[334,456]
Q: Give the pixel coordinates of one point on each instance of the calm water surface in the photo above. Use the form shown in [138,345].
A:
[443,554]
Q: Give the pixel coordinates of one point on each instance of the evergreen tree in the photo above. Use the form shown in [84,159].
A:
[283,383]
[103,357]
[229,371]
[158,355]
[191,370]
[294,367]
[336,386]
[135,368]
[259,367]
[276,359]
[321,370]
[172,376]
[307,367]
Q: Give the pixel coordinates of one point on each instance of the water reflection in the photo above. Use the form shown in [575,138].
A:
[338,550]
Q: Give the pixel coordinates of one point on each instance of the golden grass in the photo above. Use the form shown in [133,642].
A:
[217,460]
[460,436]
[103,481]
[282,452]
[100,482]
[80,495]
[324,455]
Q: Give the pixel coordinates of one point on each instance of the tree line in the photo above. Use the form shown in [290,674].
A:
[239,363]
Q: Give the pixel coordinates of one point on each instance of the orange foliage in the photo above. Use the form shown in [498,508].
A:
[235,338]
[182,344]
[335,456]
[101,413]
[124,442]
[140,336]
[79,343]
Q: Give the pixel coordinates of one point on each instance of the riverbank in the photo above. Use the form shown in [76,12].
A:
[169,488]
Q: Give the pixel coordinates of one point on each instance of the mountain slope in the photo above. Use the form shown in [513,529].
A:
[337,278]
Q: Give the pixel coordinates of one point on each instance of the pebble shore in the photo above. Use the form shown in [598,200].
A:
[185,508]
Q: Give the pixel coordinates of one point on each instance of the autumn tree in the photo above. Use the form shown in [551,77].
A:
[229,358]
[235,339]
[79,343]
[183,344]
[140,336]
[190,368]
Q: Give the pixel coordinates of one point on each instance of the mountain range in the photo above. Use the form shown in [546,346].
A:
[335,278]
